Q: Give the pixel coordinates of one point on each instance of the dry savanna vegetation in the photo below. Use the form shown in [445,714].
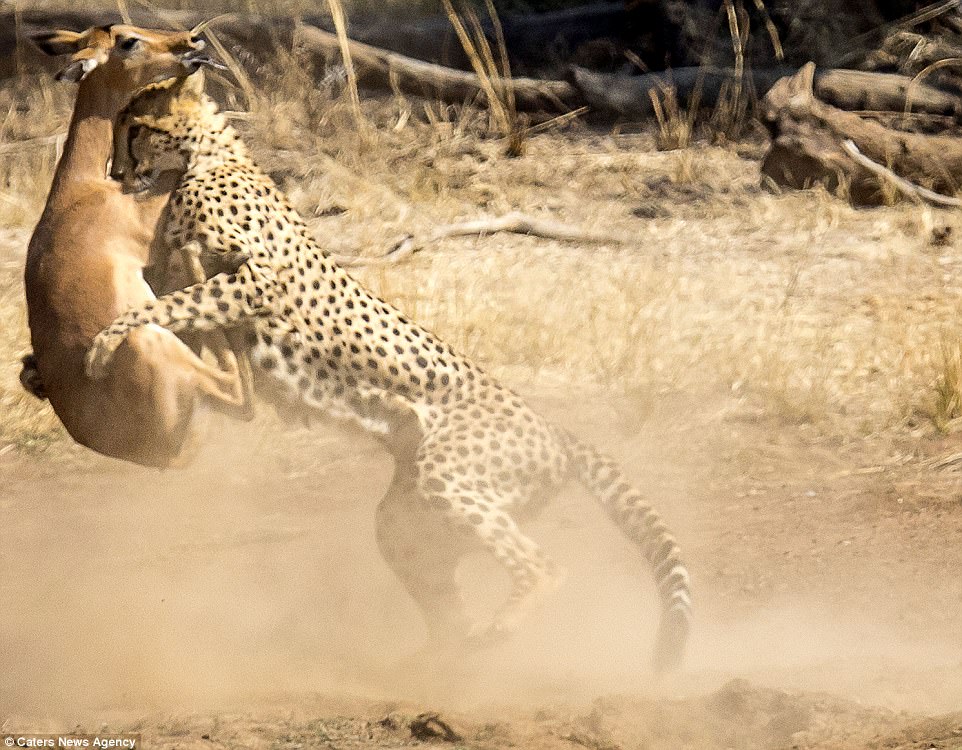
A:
[783,370]
[814,312]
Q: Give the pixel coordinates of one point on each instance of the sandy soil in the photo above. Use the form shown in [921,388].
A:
[764,371]
[250,605]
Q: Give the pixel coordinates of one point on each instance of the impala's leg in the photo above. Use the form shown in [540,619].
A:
[178,386]
[224,301]
[233,358]
[162,349]
[190,263]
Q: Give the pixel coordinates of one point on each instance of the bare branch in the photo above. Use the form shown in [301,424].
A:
[515,222]
[908,188]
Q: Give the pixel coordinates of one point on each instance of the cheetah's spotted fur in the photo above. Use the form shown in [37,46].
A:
[469,453]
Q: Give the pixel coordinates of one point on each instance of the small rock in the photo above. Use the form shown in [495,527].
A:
[430,726]
[649,211]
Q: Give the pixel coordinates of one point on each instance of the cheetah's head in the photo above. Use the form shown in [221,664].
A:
[157,132]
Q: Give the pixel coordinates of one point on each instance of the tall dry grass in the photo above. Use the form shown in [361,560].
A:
[33,121]
[493,71]
[25,423]
[33,117]
[274,7]
[798,308]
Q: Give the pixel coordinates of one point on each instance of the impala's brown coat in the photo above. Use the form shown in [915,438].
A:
[85,262]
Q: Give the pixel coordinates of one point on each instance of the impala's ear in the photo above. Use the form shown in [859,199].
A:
[76,71]
[58,42]
[80,65]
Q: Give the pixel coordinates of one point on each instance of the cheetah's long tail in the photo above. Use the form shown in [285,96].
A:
[642,524]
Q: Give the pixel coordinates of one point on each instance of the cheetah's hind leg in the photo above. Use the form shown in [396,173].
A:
[479,512]
[421,549]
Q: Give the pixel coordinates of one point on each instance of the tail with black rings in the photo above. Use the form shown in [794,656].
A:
[642,524]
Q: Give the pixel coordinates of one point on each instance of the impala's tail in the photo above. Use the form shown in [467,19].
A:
[642,524]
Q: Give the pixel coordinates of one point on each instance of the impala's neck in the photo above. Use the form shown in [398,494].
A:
[90,139]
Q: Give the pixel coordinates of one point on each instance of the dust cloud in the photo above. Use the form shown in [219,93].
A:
[256,572]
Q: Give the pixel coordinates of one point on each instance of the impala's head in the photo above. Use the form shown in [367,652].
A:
[125,56]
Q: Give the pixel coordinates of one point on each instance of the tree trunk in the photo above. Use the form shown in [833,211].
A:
[630,96]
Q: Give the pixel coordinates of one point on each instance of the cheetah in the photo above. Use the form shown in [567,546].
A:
[470,456]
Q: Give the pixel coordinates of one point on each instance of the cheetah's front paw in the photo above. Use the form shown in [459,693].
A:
[101,353]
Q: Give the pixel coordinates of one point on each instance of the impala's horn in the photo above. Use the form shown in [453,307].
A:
[202,26]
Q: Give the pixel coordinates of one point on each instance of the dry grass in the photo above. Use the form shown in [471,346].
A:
[275,7]
[946,405]
[676,124]
[493,71]
[807,311]
[33,114]
[24,422]
[33,117]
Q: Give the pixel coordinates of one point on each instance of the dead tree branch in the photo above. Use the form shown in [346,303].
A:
[377,67]
[908,188]
[515,222]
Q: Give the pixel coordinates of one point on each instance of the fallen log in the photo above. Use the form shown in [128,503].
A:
[630,96]
[381,68]
[808,148]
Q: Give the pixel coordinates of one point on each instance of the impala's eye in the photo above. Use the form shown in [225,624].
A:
[129,43]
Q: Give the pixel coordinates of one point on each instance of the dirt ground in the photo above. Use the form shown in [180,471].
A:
[776,371]
[242,603]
